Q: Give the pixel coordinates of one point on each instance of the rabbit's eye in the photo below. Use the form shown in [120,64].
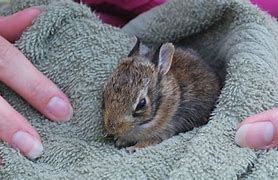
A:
[140,108]
[141,104]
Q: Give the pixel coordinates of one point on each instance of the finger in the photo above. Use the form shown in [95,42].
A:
[16,131]
[259,131]
[20,75]
[11,27]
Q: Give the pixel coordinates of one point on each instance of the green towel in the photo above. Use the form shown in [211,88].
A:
[75,50]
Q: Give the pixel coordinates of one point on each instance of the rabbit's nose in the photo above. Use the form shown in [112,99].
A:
[110,127]
[122,128]
[117,126]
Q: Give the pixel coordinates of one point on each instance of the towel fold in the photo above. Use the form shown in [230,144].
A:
[75,50]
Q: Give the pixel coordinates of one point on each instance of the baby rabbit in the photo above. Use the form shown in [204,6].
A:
[154,97]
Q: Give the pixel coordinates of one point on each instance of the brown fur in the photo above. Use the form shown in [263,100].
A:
[176,102]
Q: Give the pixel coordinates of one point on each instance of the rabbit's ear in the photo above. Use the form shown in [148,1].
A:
[164,58]
[135,50]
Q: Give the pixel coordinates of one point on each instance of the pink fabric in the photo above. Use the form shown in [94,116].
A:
[130,7]
[111,19]
[127,4]
[120,3]
[125,10]
[271,6]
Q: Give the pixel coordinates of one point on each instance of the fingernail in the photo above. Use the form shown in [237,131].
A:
[60,109]
[34,11]
[27,144]
[41,8]
[255,135]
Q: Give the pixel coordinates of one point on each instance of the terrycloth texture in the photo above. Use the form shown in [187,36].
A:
[77,52]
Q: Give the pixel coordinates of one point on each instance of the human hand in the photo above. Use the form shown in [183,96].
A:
[259,131]
[20,75]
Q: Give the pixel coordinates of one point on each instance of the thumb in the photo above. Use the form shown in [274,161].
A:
[259,131]
[11,27]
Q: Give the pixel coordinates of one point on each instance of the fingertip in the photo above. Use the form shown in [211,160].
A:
[59,109]
[255,135]
[29,145]
[36,151]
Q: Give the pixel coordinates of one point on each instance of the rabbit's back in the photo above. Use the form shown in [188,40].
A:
[199,87]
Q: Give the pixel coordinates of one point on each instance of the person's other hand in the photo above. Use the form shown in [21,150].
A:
[259,131]
[20,75]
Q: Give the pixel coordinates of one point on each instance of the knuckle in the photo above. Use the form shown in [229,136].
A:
[8,115]
[5,50]
[5,47]
[36,88]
